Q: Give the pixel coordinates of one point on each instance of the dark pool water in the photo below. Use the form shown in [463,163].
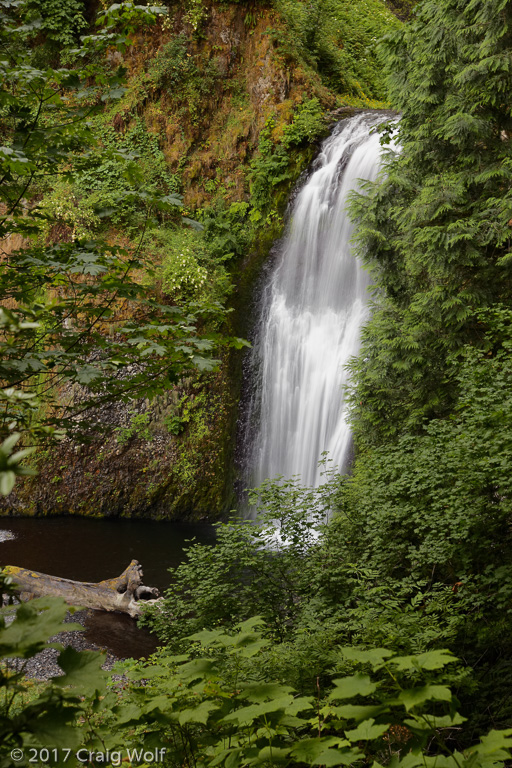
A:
[93,550]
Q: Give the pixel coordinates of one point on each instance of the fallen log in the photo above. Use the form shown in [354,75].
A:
[126,593]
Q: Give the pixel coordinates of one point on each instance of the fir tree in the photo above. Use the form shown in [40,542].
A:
[436,232]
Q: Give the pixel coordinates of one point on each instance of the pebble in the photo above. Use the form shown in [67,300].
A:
[44,665]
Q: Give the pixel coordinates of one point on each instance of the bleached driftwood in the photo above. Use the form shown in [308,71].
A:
[126,593]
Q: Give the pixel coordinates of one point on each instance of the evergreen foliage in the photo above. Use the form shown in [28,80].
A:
[338,39]
[427,508]
[435,232]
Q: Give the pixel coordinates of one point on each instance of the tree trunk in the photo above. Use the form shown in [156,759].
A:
[126,593]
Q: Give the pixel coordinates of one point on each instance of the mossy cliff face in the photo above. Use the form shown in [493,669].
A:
[206,89]
[226,98]
[164,459]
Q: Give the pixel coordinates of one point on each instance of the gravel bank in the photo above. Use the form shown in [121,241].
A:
[44,665]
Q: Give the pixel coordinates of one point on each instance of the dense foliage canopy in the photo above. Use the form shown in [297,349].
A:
[75,310]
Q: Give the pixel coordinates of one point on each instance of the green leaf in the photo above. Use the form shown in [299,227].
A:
[199,714]
[373,656]
[357,712]
[208,637]
[269,755]
[54,728]
[257,692]
[356,685]
[34,624]
[414,697]
[367,731]
[113,94]
[319,751]
[496,744]
[7,481]
[128,713]
[431,722]
[196,669]
[428,660]
[255,711]
[82,670]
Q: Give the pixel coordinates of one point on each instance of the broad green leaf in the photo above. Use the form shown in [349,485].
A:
[431,722]
[299,704]
[442,761]
[54,729]
[273,755]
[428,660]
[367,731]
[34,624]
[82,670]
[233,759]
[257,692]
[199,714]
[127,713]
[338,757]
[355,685]
[7,481]
[254,711]
[196,669]
[374,656]
[496,744]
[412,759]
[413,697]
[161,702]
[224,754]
[358,712]
[314,751]
[208,637]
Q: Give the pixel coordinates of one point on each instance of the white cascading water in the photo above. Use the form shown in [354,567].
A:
[313,308]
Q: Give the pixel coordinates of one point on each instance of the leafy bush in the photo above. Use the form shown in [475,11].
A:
[226,230]
[60,208]
[61,21]
[190,269]
[338,38]
[183,277]
[138,428]
[172,65]
[123,163]
[210,706]
[273,165]
[307,125]
[262,568]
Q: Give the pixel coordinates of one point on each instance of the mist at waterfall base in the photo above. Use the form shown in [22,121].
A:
[313,306]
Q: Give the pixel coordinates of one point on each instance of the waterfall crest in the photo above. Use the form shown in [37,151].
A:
[313,306]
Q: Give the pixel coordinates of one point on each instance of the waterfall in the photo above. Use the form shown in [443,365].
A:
[313,306]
